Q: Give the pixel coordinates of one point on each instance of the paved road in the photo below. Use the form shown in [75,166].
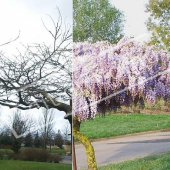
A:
[125,148]
[67,160]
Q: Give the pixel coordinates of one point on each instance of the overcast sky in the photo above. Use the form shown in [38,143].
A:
[135,16]
[26,16]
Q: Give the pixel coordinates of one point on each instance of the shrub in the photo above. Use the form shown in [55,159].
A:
[55,158]
[16,145]
[8,155]
[2,155]
[14,156]
[31,154]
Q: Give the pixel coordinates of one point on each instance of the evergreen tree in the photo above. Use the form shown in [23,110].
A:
[37,141]
[59,139]
[28,141]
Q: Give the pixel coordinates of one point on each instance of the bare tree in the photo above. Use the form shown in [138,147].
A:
[41,76]
[37,140]
[20,124]
[66,133]
[11,40]
[46,123]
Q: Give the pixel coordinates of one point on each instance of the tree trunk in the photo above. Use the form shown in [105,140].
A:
[74,155]
[71,137]
[50,145]
[91,161]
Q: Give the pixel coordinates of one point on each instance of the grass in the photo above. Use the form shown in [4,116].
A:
[29,165]
[6,150]
[60,151]
[121,124]
[154,162]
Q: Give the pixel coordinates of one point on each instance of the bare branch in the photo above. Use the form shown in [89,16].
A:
[10,41]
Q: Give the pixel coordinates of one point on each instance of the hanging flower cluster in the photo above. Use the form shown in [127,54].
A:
[117,75]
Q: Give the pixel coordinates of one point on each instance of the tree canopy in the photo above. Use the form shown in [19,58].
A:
[159,23]
[96,20]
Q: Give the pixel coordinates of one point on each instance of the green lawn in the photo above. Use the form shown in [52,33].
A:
[154,162]
[29,165]
[60,151]
[6,150]
[121,124]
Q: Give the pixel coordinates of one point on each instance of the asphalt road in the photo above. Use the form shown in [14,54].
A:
[67,160]
[125,148]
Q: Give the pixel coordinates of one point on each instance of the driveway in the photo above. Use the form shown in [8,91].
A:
[125,148]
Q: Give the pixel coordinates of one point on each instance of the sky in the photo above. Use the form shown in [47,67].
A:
[25,16]
[135,16]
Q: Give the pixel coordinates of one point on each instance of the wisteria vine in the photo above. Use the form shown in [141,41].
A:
[107,75]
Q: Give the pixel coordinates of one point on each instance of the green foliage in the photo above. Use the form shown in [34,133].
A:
[159,21]
[16,144]
[96,20]
[28,141]
[59,139]
[37,141]
[5,140]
